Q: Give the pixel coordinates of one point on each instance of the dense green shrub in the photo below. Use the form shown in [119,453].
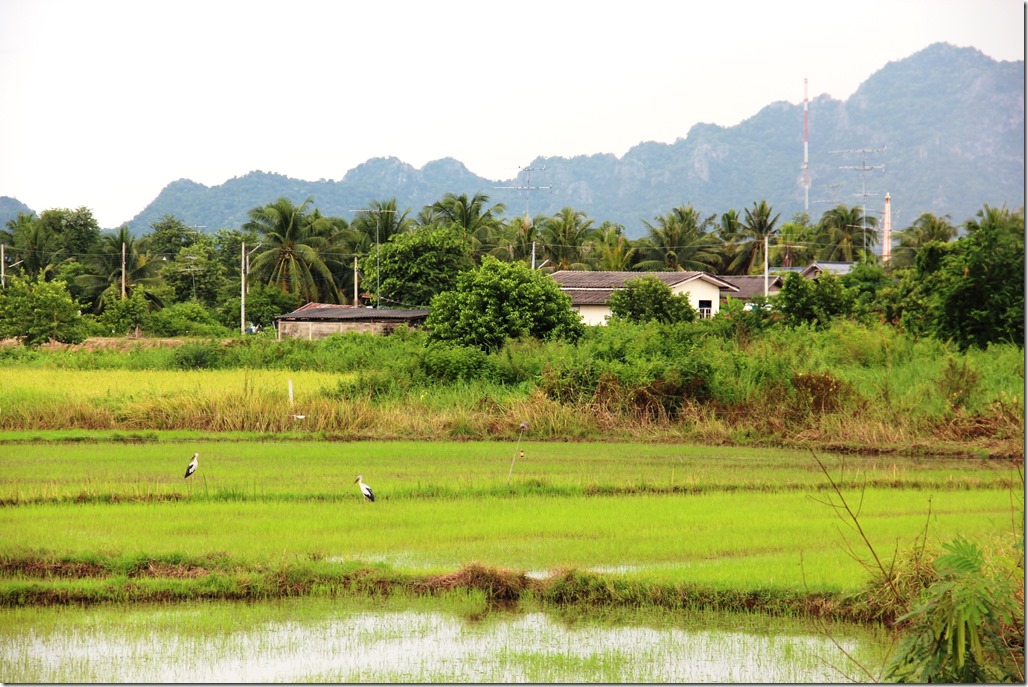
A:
[209,355]
[448,363]
[186,319]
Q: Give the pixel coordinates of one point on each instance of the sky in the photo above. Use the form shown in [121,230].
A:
[103,103]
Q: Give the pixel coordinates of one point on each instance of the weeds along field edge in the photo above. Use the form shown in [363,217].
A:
[849,385]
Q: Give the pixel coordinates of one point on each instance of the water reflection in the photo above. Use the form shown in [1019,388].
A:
[411,646]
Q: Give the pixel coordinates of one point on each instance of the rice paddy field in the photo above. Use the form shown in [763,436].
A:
[725,517]
[569,562]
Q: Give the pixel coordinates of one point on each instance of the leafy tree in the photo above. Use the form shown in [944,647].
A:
[73,233]
[194,275]
[264,302]
[186,319]
[866,281]
[412,268]
[649,299]
[680,240]
[169,236]
[981,296]
[500,301]
[814,301]
[125,315]
[38,312]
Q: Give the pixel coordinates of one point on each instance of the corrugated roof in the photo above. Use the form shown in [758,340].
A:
[331,311]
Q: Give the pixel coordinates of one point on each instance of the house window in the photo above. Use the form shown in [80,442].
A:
[705,308]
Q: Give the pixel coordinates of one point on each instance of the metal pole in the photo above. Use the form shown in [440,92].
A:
[242,289]
[3,268]
[122,270]
[765,265]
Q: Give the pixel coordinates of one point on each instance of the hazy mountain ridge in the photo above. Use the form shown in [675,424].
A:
[951,121]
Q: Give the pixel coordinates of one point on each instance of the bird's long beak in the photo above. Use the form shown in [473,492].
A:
[357,480]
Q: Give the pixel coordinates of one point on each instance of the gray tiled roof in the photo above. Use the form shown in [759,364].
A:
[583,279]
[589,296]
[752,285]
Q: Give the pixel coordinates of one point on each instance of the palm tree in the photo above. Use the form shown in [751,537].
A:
[612,250]
[565,236]
[752,239]
[381,220]
[103,283]
[927,228]
[516,239]
[295,244]
[792,245]
[680,240]
[845,233]
[477,223]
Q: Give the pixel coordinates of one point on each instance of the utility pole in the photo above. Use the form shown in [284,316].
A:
[242,288]
[378,269]
[122,270]
[244,268]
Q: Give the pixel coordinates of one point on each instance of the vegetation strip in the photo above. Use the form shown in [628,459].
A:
[29,581]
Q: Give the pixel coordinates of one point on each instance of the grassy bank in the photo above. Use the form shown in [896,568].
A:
[847,387]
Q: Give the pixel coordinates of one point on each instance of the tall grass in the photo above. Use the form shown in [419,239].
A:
[850,385]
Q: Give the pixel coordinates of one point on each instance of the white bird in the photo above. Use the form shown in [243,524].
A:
[365,489]
[191,468]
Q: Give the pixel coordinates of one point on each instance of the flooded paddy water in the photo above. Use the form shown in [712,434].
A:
[354,640]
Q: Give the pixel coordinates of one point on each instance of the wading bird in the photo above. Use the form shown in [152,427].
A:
[365,489]
[191,468]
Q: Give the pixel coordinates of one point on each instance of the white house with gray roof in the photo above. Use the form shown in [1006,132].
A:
[590,291]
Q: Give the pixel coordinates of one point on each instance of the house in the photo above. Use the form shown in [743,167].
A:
[816,268]
[590,291]
[318,320]
[751,286]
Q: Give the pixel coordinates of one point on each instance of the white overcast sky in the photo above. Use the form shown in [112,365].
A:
[105,102]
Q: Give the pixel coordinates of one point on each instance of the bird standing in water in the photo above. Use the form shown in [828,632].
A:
[365,489]
[191,468]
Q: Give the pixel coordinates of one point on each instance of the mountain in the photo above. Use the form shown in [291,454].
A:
[945,130]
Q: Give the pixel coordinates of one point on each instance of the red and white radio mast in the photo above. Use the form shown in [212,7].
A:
[805,177]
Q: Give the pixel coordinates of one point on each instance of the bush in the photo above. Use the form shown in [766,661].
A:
[186,319]
[199,356]
[455,363]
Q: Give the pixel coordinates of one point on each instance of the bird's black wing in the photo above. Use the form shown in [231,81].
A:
[370,494]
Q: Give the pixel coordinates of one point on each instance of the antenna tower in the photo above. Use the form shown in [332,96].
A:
[863,168]
[527,186]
